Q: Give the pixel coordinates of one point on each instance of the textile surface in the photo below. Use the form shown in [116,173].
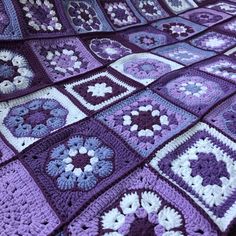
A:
[117,118]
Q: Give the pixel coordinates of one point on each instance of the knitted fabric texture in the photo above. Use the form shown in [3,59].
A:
[118,118]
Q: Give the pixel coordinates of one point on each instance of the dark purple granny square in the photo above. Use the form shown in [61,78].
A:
[147,37]
[96,91]
[193,90]
[44,18]
[122,14]
[20,71]
[76,163]
[222,66]
[224,117]
[64,57]
[109,48]
[142,204]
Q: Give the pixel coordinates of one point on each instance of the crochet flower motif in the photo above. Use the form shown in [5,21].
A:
[65,61]
[144,213]
[178,29]
[83,16]
[15,72]
[157,121]
[149,8]
[147,40]
[230,119]
[209,169]
[204,17]
[41,15]
[120,14]
[99,89]
[194,90]
[108,49]
[4,19]
[146,68]
[80,163]
[36,118]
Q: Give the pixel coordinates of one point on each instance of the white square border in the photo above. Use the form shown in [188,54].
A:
[224,221]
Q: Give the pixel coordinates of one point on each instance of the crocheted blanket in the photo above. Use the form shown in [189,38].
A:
[117,118]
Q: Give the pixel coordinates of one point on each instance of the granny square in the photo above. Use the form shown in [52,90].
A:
[23,208]
[178,6]
[147,37]
[25,120]
[202,163]
[214,41]
[141,204]
[144,67]
[6,153]
[99,90]
[75,164]
[109,49]
[224,6]
[63,58]
[221,66]
[204,16]
[145,121]
[178,27]
[183,53]
[122,14]
[224,117]
[150,9]
[86,16]
[42,18]
[20,71]
[193,90]
[9,25]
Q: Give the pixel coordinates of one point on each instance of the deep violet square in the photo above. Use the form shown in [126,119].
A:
[99,90]
[143,180]
[67,202]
